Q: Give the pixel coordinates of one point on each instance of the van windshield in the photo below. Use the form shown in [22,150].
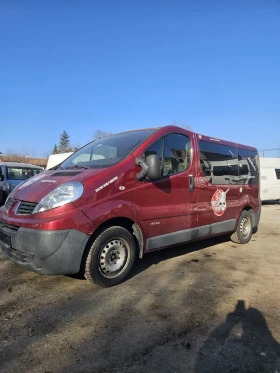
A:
[107,151]
[22,173]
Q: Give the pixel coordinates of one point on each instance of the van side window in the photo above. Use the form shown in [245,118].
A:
[248,166]
[174,153]
[156,148]
[219,163]
[277,171]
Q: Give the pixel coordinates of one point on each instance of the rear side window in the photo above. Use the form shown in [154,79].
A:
[173,151]
[277,171]
[224,164]
[219,163]
[248,166]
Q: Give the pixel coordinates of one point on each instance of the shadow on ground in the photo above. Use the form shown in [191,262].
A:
[156,257]
[243,344]
[154,322]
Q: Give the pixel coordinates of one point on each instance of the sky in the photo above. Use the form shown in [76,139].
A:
[117,65]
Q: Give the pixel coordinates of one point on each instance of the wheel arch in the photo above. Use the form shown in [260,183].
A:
[251,210]
[124,222]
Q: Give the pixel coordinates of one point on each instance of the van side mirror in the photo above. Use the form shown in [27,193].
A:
[150,168]
[153,161]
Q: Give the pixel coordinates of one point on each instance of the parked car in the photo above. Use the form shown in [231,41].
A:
[12,174]
[129,194]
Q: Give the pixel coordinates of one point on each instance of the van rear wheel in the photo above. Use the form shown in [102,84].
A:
[244,230]
[111,257]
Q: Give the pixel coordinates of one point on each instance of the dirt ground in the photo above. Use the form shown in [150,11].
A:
[213,306]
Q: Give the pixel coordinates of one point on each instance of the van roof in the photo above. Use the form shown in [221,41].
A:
[23,165]
[210,138]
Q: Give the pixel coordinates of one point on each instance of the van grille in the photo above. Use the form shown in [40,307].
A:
[26,208]
[18,256]
[11,227]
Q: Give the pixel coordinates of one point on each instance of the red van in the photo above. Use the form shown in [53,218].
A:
[129,194]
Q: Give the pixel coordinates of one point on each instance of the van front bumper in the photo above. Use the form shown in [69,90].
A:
[56,252]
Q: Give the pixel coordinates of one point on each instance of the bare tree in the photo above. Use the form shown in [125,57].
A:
[20,156]
[25,152]
[75,147]
[183,125]
[99,134]
[186,127]
[47,153]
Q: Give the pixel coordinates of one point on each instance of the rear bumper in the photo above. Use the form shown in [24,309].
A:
[46,252]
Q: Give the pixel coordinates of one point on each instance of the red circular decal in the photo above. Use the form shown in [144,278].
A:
[218,202]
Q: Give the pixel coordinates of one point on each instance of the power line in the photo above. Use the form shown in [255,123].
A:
[268,150]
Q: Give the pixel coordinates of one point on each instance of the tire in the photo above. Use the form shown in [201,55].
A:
[110,257]
[244,230]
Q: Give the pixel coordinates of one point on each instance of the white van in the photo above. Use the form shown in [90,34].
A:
[270,179]
[56,159]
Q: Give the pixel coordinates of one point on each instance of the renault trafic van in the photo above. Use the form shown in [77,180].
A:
[129,194]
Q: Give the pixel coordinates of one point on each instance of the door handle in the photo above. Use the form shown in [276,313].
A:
[191,184]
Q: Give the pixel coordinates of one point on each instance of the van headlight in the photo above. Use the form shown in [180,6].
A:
[60,196]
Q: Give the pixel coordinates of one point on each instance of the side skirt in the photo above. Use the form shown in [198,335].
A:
[190,234]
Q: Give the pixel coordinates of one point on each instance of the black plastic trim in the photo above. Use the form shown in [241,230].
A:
[190,234]
[258,215]
[46,252]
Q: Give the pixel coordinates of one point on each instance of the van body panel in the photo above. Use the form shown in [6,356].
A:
[165,205]
[65,217]
[235,191]
[37,187]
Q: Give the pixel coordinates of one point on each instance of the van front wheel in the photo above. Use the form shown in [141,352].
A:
[244,230]
[111,257]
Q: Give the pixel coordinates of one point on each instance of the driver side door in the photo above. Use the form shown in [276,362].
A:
[165,207]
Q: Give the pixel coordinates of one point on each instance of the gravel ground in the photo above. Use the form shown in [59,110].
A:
[212,306]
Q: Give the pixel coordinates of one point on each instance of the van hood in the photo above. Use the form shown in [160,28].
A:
[37,187]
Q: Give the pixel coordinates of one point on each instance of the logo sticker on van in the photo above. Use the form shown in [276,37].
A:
[106,184]
[219,202]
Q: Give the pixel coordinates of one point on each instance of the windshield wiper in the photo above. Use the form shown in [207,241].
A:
[76,166]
